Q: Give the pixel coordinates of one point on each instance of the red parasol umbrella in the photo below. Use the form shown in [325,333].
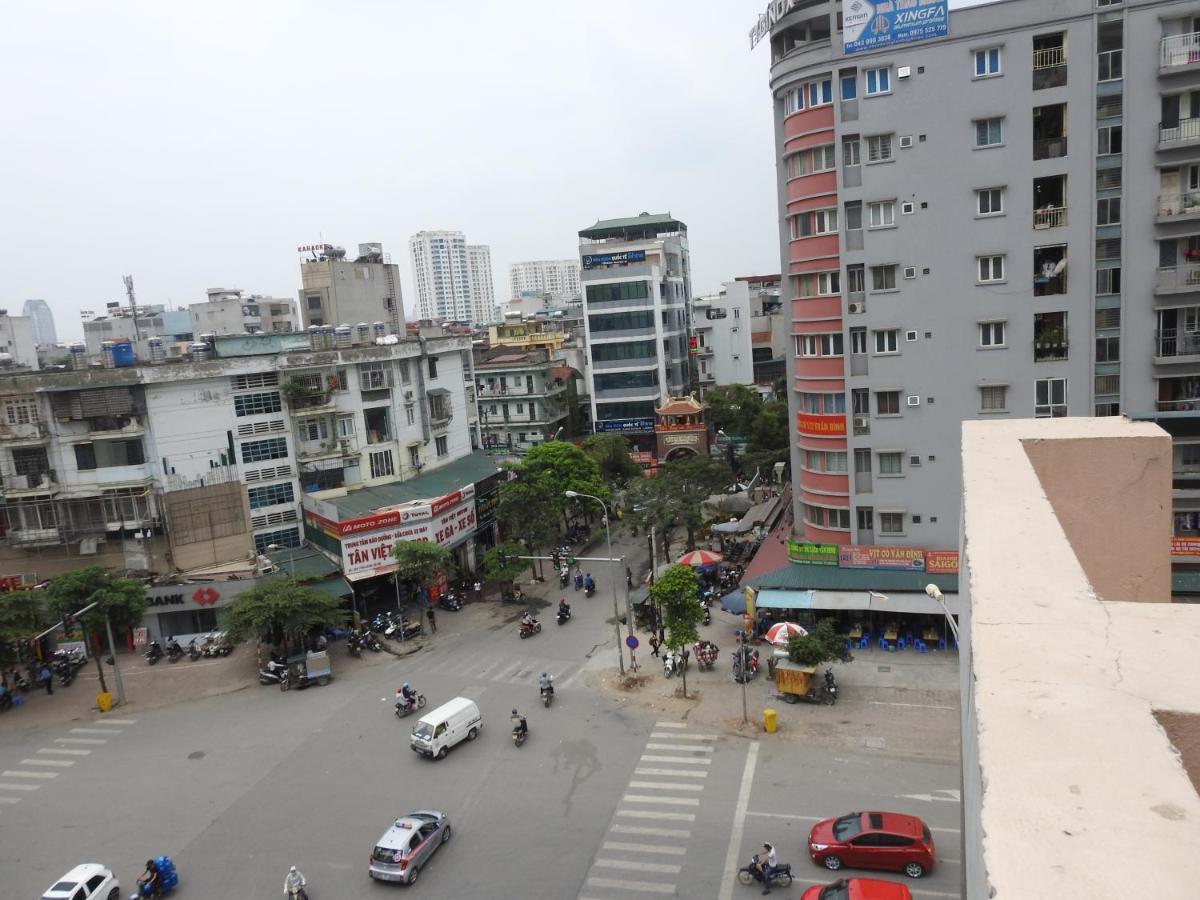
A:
[782,632]
[699,558]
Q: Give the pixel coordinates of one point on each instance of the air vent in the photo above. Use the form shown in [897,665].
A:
[914,460]
[913,400]
[906,208]
[910,271]
[905,141]
[910,335]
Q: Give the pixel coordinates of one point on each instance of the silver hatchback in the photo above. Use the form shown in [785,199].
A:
[407,845]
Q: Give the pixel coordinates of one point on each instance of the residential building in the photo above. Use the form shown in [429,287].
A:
[229,312]
[557,277]
[526,334]
[524,397]
[483,294]
[453,278]
[1003,140]
[44,332]
[721,337]
[338,291]
[119,324]
[770,331]
[18,345]
[637,282]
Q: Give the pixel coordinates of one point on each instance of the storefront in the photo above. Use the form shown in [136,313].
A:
[185,610]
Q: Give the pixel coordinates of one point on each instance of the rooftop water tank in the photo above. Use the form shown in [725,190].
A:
[123,355]
[343,336]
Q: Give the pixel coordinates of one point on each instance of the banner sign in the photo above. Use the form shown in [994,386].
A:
[941,562]
[323,516]
[874,24]
[821,425]
[910,558]
[626,425]
[813,554]
[1185,545]
[367,555]
[591,260]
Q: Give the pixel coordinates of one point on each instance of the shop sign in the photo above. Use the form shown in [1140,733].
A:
[196,596]
[821,425]
[12,583]
[941,562]
[141,636]
[812,554]
[367,555]
[591,260]
[625,425]
[910,558]
[1185,545]
[875,24]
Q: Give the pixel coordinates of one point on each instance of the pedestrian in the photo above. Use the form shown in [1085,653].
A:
[628,578]
[478,591]
[432,620]
[653,645]
[47,678]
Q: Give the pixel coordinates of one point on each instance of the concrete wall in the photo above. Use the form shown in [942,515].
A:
[17,340]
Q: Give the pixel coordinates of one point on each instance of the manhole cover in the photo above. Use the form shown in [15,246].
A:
[197,754]
[874,743]
[885,668]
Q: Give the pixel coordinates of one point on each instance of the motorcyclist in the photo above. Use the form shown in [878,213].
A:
[527,620]
[407,694]
[564,608]
[767,861]
[578,579]
[545,684]
[520,726]
[173,646]
[154,651]
[294,884]
[564,575]
[150,882]
[589,584]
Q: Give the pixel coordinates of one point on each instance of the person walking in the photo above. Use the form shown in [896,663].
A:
[629,578]
[47,678]
[432,620]
[653,645]
[478,591]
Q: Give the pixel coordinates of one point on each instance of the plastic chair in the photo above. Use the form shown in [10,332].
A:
[921,647]
[846,645]
[942,644]
[900,644]
[910,637]
[864,643]
[883,644]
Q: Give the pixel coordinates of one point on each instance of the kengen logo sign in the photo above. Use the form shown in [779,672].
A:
[871,24]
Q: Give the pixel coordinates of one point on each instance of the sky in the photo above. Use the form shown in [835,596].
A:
[197,145]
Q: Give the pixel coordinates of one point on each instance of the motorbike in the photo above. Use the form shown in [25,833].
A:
[297,893]
[707,619]
[519,734]
[153,653]
[706,654]
[589,588]
[547,694]
[781,875]
[534,628]
[450,602]
[745,671]
[214,646]
[354,644]
[831,688]
[174,651]
[563,579]
[193,650]
[404,707]
[564,614]
[19,682]
[578,581]
[167,876]
[672,663]
[272,673]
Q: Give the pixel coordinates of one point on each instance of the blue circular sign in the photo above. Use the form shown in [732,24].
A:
[631,642]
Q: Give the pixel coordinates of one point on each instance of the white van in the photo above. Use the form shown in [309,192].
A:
[455,721]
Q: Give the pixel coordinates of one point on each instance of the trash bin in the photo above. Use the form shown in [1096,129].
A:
[104,702]
[769,720]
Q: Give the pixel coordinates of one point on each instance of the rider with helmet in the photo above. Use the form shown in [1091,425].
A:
[294,884]
[545,684]
[520,726]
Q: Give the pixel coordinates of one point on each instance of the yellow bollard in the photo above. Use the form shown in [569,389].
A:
[104,702]
[769,720]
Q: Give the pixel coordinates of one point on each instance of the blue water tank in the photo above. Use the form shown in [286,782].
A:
[123,354]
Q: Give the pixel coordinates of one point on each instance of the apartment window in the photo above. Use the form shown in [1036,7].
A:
[287,537]
[817,222]
[839,518]
[879,147]
[987,62]
[860,398]
[835,461]
[993,398]
[414,457]
[862,461]
[991,334]
[883,278]
[989,201]
[824,159]
[793,101]
[887,403]
[433,367]
[877,81]
[382,464]
[856,278]
[1108,140]
[820,284]
[1050,397]
[989,132]
[271,495]
[442,446]
[890,462]
[312,429]
[272,448]
[991,268]
[20,412]
[374,376]
[881,214]
[891,523]
[866,518]
[851,151]
[820,344]
[314,302]
[255,380]
[819,93]
[1108,211]
[849,86]
[345,426]
[1108,349]
[887,340]
[410,418]
[858,341]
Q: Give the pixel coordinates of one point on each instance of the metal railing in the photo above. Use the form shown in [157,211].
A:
[1179,278]
[1047,351]
[1186,203]
[1178,132]
[1189,404]
[1172,342]
[1050,217]
[1110,65]
[1050,57]
[1050,148]
[1179,50]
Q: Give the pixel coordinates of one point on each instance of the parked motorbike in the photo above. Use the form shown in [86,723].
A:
[707,620]
[831,688]
[354,645]
[450,602]
[193,650]
[272,673]
[564,614]
[671,663]
[153,653]
[745,665]
[534,628]
[404,707]
[781,875]
[174,651]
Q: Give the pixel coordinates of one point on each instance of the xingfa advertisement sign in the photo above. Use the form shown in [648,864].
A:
[873,24]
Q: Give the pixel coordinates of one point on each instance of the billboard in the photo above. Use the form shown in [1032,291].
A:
[875,24]
[625,425]
[591,260]
[909,558]
[826,425]
[1185,545]
[366,555]
[812,554]
[941,562]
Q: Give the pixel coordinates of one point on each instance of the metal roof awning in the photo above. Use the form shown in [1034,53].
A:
[844,601]
[784,600]
[437,392]
[335,587]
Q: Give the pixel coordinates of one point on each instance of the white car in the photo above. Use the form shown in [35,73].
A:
[85,882]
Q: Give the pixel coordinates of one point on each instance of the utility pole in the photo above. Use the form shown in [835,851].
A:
[128,279]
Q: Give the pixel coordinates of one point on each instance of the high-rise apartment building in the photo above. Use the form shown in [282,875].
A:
[336,290]
[721,331]
[453,278]
[44,332]
[963,215]
[557,277]
[637,281]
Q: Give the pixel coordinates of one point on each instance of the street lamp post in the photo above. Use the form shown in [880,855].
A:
[936,595]
[275,548]
[611,560]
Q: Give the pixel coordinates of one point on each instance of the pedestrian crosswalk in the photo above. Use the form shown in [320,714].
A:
[37,771]
[643,851]
[500,668]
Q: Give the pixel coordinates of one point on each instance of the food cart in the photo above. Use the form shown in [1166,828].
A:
[306,669]
[795,683]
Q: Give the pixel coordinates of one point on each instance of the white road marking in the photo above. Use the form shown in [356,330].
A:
[952,796]
[666,785]
[683,737]
[508,672]
[654,814]
[739,823]
[665,801]
[912,706]
[654,832]
[570,681]
[61,763]
[19,787]
[670,725]
[646,887]
[664,849]
[64,751]
[686,748]
[96,730]
[81,740]
[921,892]
[10,799]
[680,773]
[695,760]
[661,868]
[21,773]
[116,721]
[767,815]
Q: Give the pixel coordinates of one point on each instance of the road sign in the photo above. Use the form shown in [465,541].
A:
[631,642]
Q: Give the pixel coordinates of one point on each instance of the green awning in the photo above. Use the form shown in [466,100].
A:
[437,392]
[335,587]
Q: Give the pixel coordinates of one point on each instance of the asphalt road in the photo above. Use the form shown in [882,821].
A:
[605,800]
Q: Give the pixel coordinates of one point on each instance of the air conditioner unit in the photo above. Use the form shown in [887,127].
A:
[910,271]
[913,400]
[905,141]
[408,395]
[903,71]
[861,423]
[858,307]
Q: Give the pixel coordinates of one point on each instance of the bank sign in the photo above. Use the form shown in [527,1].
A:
[874,24]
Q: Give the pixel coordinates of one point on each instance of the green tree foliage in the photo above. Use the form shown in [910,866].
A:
[821,645]
[280,611]
[528,511]
[733,408]
[417,562]
[123,600]
[677,592]
[500,563]
[22,615]
[611,453]
[769,432]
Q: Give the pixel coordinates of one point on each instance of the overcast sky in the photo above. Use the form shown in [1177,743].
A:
[197,145]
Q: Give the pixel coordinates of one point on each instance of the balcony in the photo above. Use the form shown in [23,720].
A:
[1049,62]
[1050,349]
[1178,279]
[1050,217]
[328,449]
[28,435]
[1173,345]
[1050,148]
[1182,133]
[704,351]
[1179,51]
[1179,206]
[1049,270]
[32,482]
[708,378]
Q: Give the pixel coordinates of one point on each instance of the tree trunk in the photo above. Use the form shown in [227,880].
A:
[683,674]
[691,544]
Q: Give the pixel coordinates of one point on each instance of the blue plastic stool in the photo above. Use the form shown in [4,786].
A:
[846,645]
[883,644]
[921,647]
[18,701]
[941,643]
[865,643]
[900,645]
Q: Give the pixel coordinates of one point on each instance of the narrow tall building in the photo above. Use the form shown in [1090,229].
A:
[483,293]
[336,290]
[44,332]
[453,278]
[637,280]
[557,277]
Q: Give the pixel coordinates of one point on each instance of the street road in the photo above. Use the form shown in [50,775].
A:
[605,800]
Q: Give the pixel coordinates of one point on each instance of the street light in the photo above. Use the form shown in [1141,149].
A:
[275,548]
[616,610]
[935,594]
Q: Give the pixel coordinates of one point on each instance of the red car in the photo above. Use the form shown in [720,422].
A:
[858,889]
[873,840]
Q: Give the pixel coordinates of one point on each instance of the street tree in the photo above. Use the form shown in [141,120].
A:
[557,467]
[23,614]
[502,563]
[687,483]
[769,431]
[733,408]
[822,644]
[122,600]
[418,562]
[611,453]
[652,507]
[528,511]
[280,611]
[677,593]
